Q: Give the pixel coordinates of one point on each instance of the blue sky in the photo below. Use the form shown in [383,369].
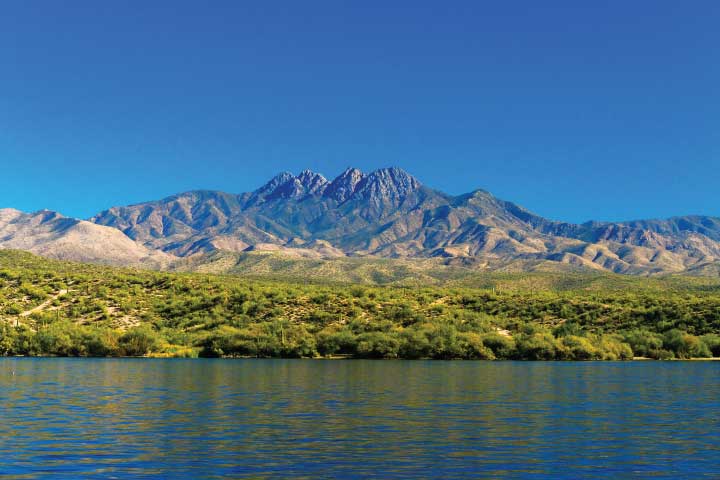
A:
[576,110]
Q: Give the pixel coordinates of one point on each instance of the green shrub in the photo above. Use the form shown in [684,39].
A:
[537,346]
[138,342]
[377,345]
[502,346]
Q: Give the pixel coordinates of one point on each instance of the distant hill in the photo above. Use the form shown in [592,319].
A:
[51,235]
[386,213]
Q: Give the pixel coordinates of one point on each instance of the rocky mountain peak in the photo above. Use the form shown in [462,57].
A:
[287,185]
[312,182]
[344,186]
[388,184]
[276,182]
[388,213]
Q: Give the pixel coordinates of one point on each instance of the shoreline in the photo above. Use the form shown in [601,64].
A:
[350,357]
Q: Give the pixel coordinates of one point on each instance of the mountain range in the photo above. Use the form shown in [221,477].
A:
[386,213]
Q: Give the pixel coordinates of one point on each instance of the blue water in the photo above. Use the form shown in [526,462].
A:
[68,418]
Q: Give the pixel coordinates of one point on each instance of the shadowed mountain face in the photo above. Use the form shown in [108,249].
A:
[389,213]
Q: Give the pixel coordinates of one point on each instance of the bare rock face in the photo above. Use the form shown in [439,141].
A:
[285,185]
[389,185]
[274,184]
[384,213]
[345,185]
[312,183]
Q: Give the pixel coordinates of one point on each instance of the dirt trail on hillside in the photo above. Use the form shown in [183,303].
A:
[43,305]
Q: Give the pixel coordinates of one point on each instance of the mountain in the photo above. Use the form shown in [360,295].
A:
[348,212]
[384,214]
[389,213]
[51,235]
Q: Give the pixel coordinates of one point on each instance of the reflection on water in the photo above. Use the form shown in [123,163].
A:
[356,419]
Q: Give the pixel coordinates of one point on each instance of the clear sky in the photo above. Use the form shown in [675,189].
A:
[576,110]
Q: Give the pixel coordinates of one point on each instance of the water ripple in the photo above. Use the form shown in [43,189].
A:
[112,418]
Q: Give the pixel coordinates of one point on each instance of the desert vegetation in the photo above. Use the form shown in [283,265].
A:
[66,309]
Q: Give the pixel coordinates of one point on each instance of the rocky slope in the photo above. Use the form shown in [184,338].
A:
[349,213]
[51,235]
[389,213]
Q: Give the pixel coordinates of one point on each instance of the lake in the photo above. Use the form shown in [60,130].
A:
[136,418]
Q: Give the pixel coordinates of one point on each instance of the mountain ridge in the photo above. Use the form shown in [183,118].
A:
[50,234]
[388,213]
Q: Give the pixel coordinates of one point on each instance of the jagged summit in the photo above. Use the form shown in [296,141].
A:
[287,185]
[275,183]
[312,182]
[387,184]
[383,213]
[382,185]
[344,186]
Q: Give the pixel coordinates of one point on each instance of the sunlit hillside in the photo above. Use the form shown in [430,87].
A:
[60,308]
